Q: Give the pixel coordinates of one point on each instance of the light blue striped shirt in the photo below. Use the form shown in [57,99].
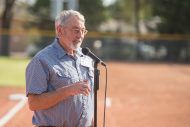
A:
[51,69]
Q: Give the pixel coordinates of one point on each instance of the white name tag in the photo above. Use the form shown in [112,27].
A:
[87,62]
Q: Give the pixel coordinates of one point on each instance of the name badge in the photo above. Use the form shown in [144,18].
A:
[87,62]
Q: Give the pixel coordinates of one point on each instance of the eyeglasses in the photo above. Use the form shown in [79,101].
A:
[78,30]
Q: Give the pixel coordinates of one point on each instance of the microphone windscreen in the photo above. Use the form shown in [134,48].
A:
[85,50]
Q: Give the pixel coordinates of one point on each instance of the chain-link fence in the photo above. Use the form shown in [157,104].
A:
[114,46]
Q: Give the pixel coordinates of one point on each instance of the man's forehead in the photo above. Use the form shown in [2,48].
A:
[75,21]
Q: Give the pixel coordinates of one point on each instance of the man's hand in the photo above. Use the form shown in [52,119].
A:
[82,87]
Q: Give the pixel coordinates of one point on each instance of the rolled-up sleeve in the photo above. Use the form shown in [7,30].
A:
[36,77]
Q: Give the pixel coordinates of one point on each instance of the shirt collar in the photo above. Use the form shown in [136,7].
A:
[61,52]
[79,51]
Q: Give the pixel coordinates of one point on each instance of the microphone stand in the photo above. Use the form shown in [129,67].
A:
[96,87]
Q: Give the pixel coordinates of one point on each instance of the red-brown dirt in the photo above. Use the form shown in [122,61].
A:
[142,95]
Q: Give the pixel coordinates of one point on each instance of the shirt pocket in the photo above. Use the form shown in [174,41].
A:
[62,79]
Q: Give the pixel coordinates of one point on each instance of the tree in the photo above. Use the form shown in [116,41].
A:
[6,25]
[175,18]
[94,12]
[122,10]
[175,15]
[41,9]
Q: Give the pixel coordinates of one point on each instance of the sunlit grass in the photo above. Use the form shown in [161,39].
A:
[12,71]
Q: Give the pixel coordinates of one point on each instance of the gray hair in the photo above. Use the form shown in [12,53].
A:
[63,17]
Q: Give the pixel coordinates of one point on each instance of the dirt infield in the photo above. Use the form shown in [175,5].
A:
[140,95]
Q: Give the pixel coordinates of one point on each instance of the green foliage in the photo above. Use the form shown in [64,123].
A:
[12,71]
[41,9]
[122,10]
[94,12]
[125,10]
[175,15]
[145,9]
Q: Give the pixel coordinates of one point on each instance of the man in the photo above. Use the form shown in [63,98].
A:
[59,79]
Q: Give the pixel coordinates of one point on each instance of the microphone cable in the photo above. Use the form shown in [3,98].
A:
[104,119]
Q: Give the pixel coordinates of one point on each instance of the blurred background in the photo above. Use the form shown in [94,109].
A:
[126,30]
[130,33]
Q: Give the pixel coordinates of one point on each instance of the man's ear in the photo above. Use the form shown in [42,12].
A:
[59,31]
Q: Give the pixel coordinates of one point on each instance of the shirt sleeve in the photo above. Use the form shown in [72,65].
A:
[36,77]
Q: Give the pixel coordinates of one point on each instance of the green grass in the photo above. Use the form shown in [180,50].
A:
[12,71]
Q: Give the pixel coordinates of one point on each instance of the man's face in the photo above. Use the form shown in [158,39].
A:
[73,34]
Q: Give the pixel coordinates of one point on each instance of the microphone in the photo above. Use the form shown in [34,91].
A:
[86,51]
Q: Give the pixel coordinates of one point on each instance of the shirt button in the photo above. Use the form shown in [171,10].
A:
[83,116]
[84,108]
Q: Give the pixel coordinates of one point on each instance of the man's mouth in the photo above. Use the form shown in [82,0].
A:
[77,41]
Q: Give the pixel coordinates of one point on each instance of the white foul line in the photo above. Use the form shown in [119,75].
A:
[15,109]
